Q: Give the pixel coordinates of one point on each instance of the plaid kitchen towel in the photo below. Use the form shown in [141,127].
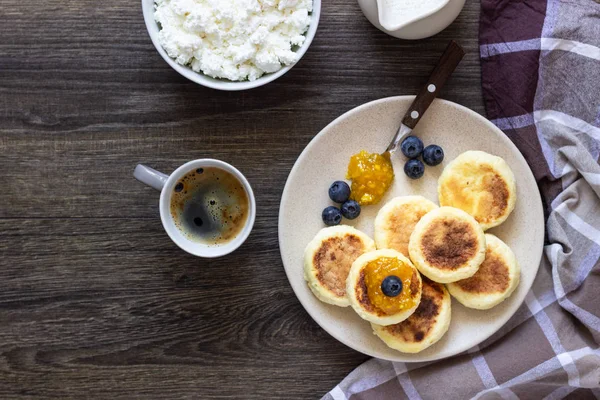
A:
[541,83]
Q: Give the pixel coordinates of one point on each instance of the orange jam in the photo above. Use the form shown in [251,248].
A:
[376,271]
[371,175]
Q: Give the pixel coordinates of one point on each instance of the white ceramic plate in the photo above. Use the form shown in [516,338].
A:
[371,127]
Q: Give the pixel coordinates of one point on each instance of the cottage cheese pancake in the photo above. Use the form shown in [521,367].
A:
[481,184]
[447,245]
[328,258]
[364,287]
[425,327]
[396,221]
[497,278]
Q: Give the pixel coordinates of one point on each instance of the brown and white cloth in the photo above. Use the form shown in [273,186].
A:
[541,83]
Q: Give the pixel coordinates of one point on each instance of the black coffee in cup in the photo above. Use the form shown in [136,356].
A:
[210,206]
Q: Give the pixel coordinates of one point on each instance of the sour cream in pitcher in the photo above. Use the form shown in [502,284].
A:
[395,14]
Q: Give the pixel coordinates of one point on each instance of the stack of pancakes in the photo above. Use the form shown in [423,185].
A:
[446,245]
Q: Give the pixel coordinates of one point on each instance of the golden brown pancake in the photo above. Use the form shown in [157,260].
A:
[357,292]
[447,245]
[396,221]
[480,184]
[328,258]
[425,326]
[497,278]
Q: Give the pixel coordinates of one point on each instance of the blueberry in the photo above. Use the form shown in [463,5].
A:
[412,147]
[433,155]
[339,192]
[391,286]
[351,209]
[332,216]
[414,169]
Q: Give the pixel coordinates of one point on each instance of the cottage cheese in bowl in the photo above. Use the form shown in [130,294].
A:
[235,40]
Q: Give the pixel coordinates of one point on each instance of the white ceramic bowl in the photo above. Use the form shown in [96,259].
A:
[223,84]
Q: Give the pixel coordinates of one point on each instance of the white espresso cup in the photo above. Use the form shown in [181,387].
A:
[166,184]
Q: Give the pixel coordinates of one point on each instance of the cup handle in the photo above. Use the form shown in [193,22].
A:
[150,177]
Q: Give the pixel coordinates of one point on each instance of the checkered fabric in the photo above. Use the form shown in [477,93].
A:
[541,83]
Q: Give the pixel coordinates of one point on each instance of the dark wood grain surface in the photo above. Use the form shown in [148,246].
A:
[95,300]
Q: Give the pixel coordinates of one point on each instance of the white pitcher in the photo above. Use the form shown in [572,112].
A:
[411,19]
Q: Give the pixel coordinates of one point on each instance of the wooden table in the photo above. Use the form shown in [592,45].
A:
[95,300]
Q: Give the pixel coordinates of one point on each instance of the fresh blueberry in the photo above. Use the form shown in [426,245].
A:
[414,169]
[391,286]
[351,209]
[332,216]
[339,192]
[433,155]
[412,147]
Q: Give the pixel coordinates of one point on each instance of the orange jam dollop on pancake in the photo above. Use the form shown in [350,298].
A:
[371,175]
[379,269]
